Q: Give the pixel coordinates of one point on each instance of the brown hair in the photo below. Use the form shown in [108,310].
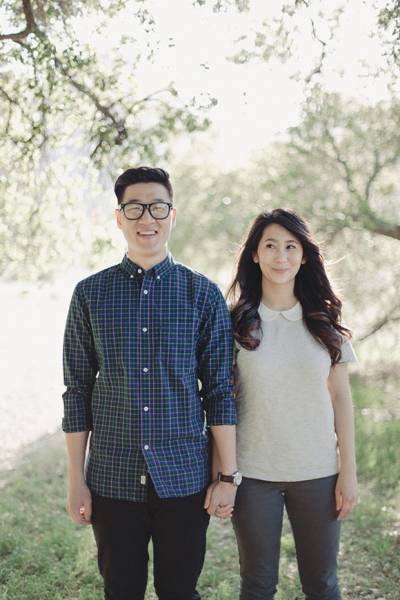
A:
[322,308]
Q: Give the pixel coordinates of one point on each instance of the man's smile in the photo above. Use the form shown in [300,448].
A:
[147,232]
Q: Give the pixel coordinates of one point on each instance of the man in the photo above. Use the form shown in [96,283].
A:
[139,336]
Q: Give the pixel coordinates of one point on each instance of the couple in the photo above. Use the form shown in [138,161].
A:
[139,338]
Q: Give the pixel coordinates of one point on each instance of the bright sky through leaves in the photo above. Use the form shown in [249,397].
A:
[256,100]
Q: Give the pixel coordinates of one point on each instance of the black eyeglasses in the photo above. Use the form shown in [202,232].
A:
[135,210]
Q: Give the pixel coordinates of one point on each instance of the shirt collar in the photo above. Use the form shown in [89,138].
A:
[293,314]
[162,268]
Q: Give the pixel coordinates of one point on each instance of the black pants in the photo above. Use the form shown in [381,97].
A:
[257,521]
[123,530]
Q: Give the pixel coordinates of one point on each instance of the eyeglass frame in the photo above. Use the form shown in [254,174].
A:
[148,208]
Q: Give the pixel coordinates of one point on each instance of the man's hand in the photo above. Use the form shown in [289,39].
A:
[79,503]
[220,499]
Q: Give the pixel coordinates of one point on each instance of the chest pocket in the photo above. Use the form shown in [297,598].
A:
[177,340]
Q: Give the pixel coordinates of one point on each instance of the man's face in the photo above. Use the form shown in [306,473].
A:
[147,237]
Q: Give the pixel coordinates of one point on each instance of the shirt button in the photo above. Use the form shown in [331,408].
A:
[139,270]
[158,277]
[145,292]
[146,447]
[132,276]
[145,408]
[144,329]
[145,369]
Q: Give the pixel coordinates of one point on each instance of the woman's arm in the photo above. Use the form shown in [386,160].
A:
[346,487]
[215,462]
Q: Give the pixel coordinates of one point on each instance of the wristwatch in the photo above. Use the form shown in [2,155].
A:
[235,478]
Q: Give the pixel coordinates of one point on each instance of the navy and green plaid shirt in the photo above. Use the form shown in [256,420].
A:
[136,345]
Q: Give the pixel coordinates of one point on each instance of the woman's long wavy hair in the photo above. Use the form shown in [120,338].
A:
[321,307]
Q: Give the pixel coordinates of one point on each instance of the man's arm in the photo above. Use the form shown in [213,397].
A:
[215,372]
[80,370]
[79,501]
[220,498]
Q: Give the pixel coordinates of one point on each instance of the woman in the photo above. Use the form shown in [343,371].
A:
[295,419]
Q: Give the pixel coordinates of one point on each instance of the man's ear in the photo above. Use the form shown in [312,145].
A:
[117,214]
[173,217]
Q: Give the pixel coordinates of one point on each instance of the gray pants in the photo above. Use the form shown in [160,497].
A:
[257,522]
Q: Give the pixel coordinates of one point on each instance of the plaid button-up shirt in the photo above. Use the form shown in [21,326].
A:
[137,343]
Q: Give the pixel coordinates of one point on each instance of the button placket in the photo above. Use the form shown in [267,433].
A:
[145,363]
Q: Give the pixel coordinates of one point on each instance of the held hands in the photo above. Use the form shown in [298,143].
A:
[220,499]
[345,493]
[79,503]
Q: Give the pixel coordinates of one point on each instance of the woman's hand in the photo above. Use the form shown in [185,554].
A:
[346,492]
[220,499]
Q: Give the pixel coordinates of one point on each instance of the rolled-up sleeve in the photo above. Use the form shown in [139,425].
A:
[215,359]
[80,366]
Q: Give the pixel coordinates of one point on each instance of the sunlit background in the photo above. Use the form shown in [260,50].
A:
[249,105]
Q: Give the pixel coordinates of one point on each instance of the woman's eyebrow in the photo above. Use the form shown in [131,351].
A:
[286,241]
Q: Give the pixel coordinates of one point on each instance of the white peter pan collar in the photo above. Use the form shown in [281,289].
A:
[293,314]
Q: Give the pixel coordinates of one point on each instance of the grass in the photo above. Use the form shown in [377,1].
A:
[44,556]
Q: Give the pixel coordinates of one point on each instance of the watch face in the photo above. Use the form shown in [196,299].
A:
[237,478]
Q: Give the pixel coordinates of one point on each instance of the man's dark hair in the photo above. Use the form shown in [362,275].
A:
[142,175]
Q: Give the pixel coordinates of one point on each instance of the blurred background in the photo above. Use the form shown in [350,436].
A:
[249,105]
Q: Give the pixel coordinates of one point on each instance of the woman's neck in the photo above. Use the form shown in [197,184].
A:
[278,297]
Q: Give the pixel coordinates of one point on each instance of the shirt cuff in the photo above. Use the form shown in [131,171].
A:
[75,425]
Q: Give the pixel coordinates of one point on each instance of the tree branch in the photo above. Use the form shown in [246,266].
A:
[12,101]
[30,24]
[381,323]
[389,229]
[376,170]
[119,124]
[341,161]
[362,213]
[378,167]
[318,68]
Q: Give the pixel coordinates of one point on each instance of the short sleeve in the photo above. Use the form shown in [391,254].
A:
[348,354]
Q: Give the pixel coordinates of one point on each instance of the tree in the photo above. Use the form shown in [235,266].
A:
[288,27]
[389,21]
[70,116]
[340,167]
[54,87]
[341,162]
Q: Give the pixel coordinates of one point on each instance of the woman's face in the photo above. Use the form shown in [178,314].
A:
[279,254]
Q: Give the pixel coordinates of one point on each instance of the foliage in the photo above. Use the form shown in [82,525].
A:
[44,556]
[341,164]
[219,5]
[389,21]
[72,115]
[71,118]
[213,210]
[56,87]
[282,36]
[339,167]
